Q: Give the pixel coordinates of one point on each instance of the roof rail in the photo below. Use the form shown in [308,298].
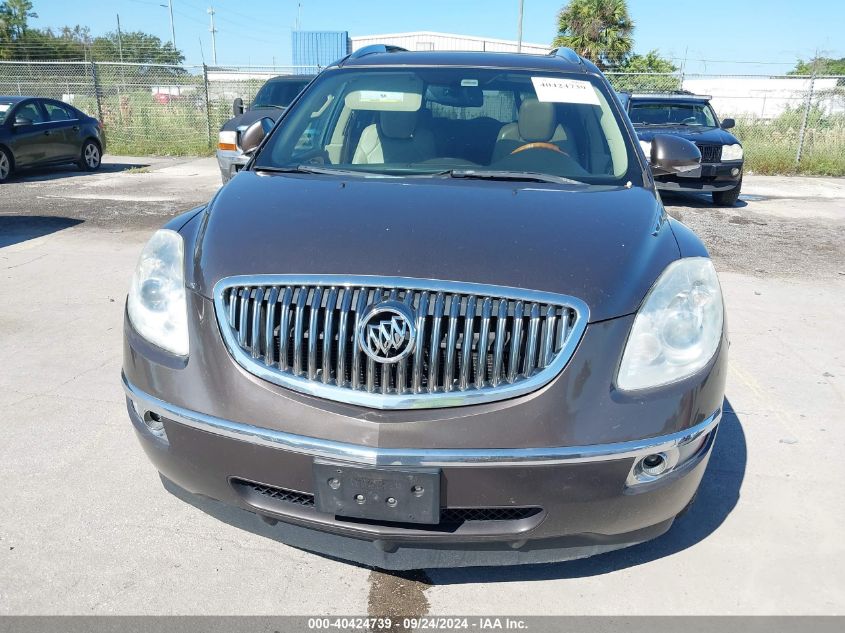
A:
[566,53]
[375,48]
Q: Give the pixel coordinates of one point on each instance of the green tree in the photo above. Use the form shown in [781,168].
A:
[599,30]
[14,17]
[138,47]
[651,62]
[822,66]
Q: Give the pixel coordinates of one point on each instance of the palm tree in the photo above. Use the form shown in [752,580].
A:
[599,30]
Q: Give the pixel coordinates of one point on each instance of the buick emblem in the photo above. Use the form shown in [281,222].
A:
[387,332]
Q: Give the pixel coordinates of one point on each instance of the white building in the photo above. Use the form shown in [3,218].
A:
[432,41]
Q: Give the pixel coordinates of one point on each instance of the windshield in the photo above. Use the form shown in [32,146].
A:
[481,122]
[278,93]
[672,113]
[5,108]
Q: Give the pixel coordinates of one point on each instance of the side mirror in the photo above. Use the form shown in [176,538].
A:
[252,136]
[728,123]
[673,155]
[238,106]
[21,121]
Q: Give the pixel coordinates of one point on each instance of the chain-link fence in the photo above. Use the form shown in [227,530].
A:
[786,123]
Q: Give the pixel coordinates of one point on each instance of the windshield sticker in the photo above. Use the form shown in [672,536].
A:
[564,90]
[469,82]
[377,96]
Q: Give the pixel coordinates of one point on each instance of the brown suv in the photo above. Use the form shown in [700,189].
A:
[441,318]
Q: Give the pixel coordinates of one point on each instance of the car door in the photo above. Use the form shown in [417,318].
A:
[30,141]
[64,127]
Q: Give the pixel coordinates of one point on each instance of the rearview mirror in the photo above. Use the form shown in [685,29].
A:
[238,106]
[252,136]
[20,121]
[673,155]
[728,123]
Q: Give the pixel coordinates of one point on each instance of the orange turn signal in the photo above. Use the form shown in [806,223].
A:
[229,146]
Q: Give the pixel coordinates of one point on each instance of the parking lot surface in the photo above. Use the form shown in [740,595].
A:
[87,528]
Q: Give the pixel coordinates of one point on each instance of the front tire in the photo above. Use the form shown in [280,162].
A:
[5,164]
[91,157]
[727,198]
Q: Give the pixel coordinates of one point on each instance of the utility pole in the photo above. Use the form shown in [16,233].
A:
[119,39]
[519,27]
[213,38]
[172,29]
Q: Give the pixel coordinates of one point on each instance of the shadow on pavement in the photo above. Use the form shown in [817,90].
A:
[700,200]
[45,174]
[20,228]
[717,496]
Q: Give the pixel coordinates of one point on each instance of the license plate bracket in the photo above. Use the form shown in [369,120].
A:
[406,495]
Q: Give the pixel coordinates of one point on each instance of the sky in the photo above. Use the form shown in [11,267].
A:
[713,36]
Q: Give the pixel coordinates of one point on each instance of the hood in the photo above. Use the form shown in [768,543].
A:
[605,247]
[250,116]
[695,134]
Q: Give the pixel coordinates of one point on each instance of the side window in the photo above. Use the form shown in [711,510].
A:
[30,111]
[56,112]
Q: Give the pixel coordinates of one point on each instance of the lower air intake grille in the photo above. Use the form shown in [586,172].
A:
[449,516]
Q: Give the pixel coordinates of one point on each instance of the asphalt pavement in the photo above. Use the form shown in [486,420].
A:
[87,528]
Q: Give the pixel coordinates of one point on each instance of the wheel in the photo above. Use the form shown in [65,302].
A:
[5,165]
[727,198]
[90,157]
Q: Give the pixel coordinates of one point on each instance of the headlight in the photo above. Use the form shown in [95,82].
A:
[677,329]
[646,145]
[228,139]
[157,307]
[732,152]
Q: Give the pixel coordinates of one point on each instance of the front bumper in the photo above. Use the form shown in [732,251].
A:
[710,177]
[230,163]
[585,500]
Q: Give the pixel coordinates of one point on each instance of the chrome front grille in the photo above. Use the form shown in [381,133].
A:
[473,343]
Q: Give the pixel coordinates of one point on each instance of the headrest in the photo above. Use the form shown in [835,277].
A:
[398,125]
[537,121]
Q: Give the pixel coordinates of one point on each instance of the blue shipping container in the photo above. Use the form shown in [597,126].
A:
[319,48]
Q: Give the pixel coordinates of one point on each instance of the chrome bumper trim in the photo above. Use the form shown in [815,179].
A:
[452,457]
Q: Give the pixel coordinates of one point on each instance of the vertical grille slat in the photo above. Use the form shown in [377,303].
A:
[328,335]
[360,306]
[483,342]
[269,326]
[342,335]
[434,350]
[284,327]
[531,344]
[451,343]
[501,336]
[314,332]
[467,343]
[419,346]
[254,336]
[547,337]
[299,330]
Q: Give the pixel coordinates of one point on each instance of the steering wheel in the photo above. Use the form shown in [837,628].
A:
[539,145]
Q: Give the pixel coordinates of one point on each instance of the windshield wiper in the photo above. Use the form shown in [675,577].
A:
[525,176]
[256,106]
[313,169]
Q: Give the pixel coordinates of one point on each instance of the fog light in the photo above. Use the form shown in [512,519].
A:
[654,465]
[154,423]
[734,172]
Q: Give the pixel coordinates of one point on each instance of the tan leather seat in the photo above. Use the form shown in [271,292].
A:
[395,138]
[536,123]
